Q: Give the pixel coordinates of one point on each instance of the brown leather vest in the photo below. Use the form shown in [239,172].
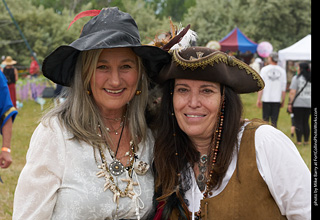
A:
[246,196]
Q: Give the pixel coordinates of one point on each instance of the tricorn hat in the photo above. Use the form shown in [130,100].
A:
[111,28]
[202,63]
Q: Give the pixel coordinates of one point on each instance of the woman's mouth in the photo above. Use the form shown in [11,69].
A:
[194,116]
[114,91]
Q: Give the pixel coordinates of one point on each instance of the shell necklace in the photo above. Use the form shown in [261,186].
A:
[116,168]
[110,184]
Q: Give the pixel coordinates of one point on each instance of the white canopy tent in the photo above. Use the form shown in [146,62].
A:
[301,50]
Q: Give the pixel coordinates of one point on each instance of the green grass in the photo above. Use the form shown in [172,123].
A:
[284,122]
[29,116]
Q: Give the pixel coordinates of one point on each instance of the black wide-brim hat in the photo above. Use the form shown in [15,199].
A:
[111,28]
[202,63]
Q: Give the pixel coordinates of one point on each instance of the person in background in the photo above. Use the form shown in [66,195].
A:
[89,157]
[272,97]
[7,115]
[209,162]
[300,106]
[256,64]
[34,69]
[11,73]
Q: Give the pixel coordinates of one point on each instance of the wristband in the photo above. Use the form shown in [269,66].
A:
[6,149]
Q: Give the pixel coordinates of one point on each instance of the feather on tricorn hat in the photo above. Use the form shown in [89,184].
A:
[110,28]
[202,63]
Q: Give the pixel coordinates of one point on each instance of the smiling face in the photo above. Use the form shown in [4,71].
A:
[115,80]
[196,105]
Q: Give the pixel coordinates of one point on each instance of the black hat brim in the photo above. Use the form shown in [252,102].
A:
[59,66]
[110,29]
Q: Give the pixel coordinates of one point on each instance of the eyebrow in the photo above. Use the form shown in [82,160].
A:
[211,85]
[122,61]
[202,86]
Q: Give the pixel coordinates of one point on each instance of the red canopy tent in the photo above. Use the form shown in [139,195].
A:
[237,41]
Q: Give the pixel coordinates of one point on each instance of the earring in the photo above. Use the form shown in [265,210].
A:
[138,92]
[88,92]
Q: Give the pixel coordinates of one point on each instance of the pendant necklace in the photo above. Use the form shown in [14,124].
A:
[201,178]
[110,184]
[116,167]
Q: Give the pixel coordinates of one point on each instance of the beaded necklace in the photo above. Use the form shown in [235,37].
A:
[214,152]
[110,183]
[105,172]
[116,168]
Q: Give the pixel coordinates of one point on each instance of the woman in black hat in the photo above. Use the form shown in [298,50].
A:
[89,157]
[209,162]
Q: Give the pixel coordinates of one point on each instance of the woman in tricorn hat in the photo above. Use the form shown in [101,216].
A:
[209,162]
[89,157]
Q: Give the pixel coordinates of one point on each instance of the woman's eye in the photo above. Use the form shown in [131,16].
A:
[102,67]
[182,90]
[125,67]
[207,91]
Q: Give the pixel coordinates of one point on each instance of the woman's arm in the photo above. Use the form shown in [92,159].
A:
[40,179]
[286,174]
[292,94]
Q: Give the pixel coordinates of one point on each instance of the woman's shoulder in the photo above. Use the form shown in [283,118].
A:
[273,142]
[51,123]
[263,130]
[50,127]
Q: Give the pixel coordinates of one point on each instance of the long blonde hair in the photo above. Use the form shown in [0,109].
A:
[79,113]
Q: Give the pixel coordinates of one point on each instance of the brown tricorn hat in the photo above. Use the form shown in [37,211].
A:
[202,63]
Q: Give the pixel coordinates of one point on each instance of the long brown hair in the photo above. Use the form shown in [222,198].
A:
[174,150]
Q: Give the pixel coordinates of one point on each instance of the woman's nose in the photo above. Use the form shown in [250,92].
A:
[114,80]
[194,100]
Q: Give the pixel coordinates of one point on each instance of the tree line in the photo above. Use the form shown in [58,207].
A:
[44,22]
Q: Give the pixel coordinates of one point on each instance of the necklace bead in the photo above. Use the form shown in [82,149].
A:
[214,152]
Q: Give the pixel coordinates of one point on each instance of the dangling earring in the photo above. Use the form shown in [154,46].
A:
[138,92]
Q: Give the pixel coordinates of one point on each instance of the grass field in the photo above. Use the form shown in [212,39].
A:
[28,119]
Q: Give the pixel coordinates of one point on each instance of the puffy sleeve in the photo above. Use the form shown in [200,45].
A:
[40,179]
[286,174]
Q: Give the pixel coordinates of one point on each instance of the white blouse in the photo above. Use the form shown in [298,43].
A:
[282,168]
[59,180]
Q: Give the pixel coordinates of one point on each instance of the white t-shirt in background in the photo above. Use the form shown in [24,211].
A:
[275,80]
